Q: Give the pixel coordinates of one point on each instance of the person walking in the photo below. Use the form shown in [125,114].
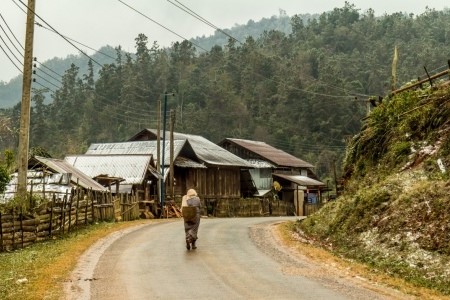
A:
[190,209]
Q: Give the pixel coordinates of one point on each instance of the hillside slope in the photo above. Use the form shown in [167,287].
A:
[395,211]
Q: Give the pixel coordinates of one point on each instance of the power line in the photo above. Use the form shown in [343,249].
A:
[12,53]
[6,34]
[159,24]
[42,65]
[4,51]
[51,30]
[67,40]
[43,78]
[197,16]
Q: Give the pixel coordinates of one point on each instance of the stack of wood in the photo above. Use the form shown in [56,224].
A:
[172,211]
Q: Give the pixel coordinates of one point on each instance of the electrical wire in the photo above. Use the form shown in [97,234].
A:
[4,51]
[67,40]
[159,24]
[10,51]
[198,17]
[51,30]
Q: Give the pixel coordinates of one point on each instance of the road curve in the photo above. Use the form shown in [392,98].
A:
[236,258]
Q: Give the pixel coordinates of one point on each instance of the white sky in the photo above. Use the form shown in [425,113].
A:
[97,23]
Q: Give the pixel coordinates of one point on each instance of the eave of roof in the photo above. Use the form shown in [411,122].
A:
[300,180]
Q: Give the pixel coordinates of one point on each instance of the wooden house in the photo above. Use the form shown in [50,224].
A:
[200,164]
[276,173]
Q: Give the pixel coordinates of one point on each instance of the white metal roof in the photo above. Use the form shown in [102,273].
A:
[132,168]
[137,147]
[301,180]
[77,175]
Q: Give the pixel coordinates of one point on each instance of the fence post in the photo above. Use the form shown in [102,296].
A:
[13,230]
[78,206]
[70,209]
[51,216]
[1,233]
[21,225]
[92,205]
[63,215]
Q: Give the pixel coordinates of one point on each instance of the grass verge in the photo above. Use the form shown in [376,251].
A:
[39,272]
[287,234]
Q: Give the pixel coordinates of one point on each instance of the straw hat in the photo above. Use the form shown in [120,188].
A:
[191,193]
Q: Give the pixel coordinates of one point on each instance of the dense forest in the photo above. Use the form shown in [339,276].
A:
[304,92]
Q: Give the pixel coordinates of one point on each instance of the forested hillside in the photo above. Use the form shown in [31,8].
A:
[304,92]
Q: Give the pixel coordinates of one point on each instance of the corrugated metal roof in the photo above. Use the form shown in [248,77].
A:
[272,154]
[301,180]
[205,150]
[132,168]
[184,162]
[208,151]
[137,147]
[61,166]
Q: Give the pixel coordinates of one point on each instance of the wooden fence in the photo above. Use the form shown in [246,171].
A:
[310,208]
[58,217]
[252,207]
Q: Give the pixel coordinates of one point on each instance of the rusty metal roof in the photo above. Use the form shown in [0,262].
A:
[132,168]
[271,154]
[63,167]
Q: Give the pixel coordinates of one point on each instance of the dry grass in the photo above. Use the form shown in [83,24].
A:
[354,269]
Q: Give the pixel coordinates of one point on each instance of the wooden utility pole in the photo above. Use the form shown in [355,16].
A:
[172,125]
[24,134]
[158,151]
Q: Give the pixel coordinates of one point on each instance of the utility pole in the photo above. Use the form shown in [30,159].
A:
[158,155]
[172,125]
[24,134]
[163,182]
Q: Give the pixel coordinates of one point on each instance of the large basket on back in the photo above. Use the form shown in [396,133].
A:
[189,213]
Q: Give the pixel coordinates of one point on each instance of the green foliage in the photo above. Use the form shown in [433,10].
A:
[5,169]
[27,204]
[4,178]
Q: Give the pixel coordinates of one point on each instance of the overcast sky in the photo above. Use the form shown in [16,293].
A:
[97,23]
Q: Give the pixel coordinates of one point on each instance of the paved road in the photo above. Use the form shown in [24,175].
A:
[236,258]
